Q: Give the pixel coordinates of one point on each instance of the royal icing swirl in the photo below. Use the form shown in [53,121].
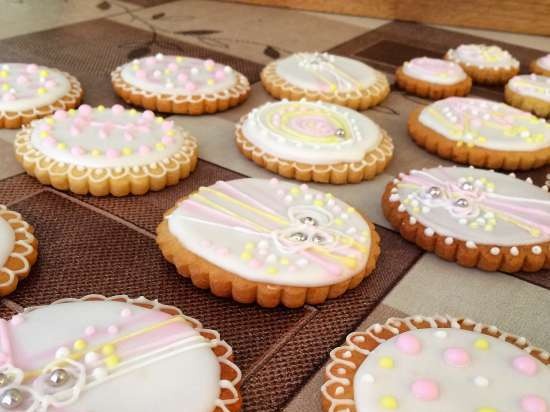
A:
[451,370]
[311,132]
[106,137]
[484,123]
[273,232]
[434,70]
[476,206]
[106,355]
[325,72]
[531,85]
[178,75]
[544,62]
[7,241]
[28,86]
[483,56]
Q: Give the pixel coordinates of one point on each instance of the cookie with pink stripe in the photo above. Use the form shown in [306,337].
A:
[434,364]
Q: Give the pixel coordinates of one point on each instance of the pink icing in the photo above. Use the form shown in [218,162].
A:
[144,149]
[112,330]
[525,365]
[22,80]
[85,110]
[31,68]
[223,251]
[254,263]
[190,86]
[112,153]
[148,115]
[90,331]
[141,74]
[409,344]
[167,139]
[456,357]
[533,403]
[117,109]
[425,389]
[77,151]
[182,78]
[125,313]
[60,115]
[313,125]
[50,141]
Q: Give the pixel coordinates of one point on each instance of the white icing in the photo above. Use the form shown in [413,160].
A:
[106,137]
[169,369]
[501,210]
[28,86]
[325,72]
[306,132]
[483,56]
[544,62]
[489,380]
[531,85]
[486,124]
[7,241]
[178,75]
[246,227]
[434,70]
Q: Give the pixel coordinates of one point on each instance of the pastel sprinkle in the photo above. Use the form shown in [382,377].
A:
[533,403]
[108,349]
[386,362]
[525,365]
[456,357]
[409,344]
[482,344]
[425,389]
[112,361]
[388,402]
[80,345]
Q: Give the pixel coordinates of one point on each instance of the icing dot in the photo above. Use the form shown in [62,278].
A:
[190,86]
[425,389]
[533,403]
[481,381]
[486,410]
[112,153]
[144,149]
[112,361]
[388,402]
[367,378]
[456,357]
[125,313]
[62,352]
[440,334]
[99,373]
[113,329]
[117,109]
[85,109]
[525,365]
[223,251]
[409,344]
[254,263]
[60,115]
[31,68]
[91,358]
[482,344]
[108,349]
[386,362]
[80,345]
[89,331]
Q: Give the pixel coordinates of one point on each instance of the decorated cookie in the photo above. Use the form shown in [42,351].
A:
[529,92]
[314,141]
[106,150]
[475,217]
[485,64]
[28,91]
[18,249]
[177,84]
[541,65]
[111,355]
[433,78]
[482,133]
[326,77]
[268,242]
[435,364]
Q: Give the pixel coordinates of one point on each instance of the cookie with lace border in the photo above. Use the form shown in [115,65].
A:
[23,254]
[337,392]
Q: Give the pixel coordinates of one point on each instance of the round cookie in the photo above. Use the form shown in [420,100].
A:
[270,242]
[477,218]
[178,84]
[314,141]
[433,78]
[28,91]
[114,354]
[18,249]
[529,92]
[481,133]
[106,150]
[434,364]
[541,65]
[485,64]
[326,77]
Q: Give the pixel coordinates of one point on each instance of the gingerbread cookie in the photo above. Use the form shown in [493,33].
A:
[476,217]
[28,91]
[529,92]
[326,77]
[433,78]
[111,355]
[435,364]
[314,141]
[482,133]
[485,64]
[18,249]
[178,84]
[541,65]
[268,242]
[106,150]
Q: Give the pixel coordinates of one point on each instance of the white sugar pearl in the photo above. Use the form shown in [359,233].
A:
[62,352]
[367,378]
[481,381]
[440,334]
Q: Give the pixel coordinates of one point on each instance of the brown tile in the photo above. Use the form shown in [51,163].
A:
[8,166]
[16,187]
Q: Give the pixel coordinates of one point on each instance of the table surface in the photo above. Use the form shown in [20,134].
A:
[106,245]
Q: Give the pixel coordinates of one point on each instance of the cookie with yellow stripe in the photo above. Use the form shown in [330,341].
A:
[482,133]
[268,241]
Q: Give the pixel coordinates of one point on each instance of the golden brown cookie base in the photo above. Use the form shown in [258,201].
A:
[192,105]
[337,393]
[487,76]
[15,120]
[372,164]
[460,152]
[535,68]
[117,181]
[206,275]
[23,254]
[531,104]
[358,100]
[430,90]
[479,257]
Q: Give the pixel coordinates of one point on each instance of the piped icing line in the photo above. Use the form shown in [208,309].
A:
[239,194]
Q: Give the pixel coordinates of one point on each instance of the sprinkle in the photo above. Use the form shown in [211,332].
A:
[482,344]
[386,362]
[271,270]
[80,345]
[388,402]
[112,361]
[108,349]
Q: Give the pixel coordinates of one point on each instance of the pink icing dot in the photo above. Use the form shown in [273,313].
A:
[150,61]
[113,329]
[425,390]
[77,151]
[525,365]
[125,313]
[117,109]
[408,344]
[533,403]
[60,115]
[457,357]
[49,141]
[85,109]
[148,115]
[167,125]
[190,86]
[141,74]
[112,153]
[144,149]
[167,139]
[255,263]
[31,68]
[173,66]
[22,80]
[182,78]
[157,74]
[50,83]
[219,75]
[17,320]
[223,251]
[89,331]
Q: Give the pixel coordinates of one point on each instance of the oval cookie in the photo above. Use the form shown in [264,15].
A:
[529,92]
[541,65]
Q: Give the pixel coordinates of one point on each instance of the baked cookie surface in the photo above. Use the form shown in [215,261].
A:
[541,65]
[529,92]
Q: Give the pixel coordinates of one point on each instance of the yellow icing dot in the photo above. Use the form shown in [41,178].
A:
[100,108]
[132,112]
[481,139]
[179,59]
[319,203]
[50,120]
[3,73]
[44,134]
[333,87]
[108,349]
[43,73]
[416,209]
[407,201]
[170,132]
[249,245]
[71,112]
[5,87]
[487,410]
[112,361]
[159,119]
[295,190]
[246,256]
[159,146]
[61,146]
[388,402]
[329,195]
[41,90]
[80,345]
[529,140]
[210,82]
[271,270]
[210,68]
[338,221]
[95,152]
[482,344]
[538,137]
[135,67]
[386,362]
[283,261]
[493,222]
[126,151]
[490,185]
